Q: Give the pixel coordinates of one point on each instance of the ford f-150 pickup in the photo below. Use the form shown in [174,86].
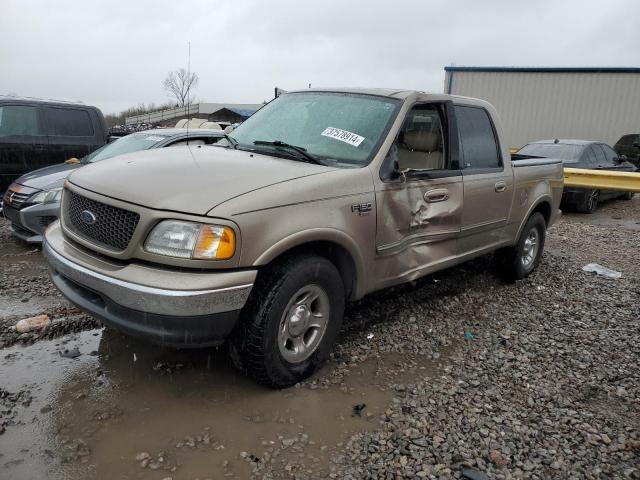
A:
[321,197]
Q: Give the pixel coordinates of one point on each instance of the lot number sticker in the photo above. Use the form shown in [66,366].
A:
[342,135]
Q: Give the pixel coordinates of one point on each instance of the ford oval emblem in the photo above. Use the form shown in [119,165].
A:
[88,217]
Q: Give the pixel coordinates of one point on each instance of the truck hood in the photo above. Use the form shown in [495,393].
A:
[48,178]
[188,179]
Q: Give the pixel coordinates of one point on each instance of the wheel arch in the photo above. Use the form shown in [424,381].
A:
[541,205]
[334,245]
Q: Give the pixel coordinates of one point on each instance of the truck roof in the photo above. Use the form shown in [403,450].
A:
[395,93]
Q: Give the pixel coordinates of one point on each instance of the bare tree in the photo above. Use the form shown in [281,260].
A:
[179,85]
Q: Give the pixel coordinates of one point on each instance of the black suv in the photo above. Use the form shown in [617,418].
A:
[629,146]
[37,133]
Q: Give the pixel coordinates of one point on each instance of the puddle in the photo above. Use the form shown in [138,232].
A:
[91,415]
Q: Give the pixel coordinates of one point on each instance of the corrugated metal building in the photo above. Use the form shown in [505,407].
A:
[539,103]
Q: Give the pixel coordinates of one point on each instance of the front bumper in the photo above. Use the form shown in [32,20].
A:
[29,223]
[168,306]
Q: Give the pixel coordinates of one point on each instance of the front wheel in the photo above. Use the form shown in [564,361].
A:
[517,262]
[627,196]
[290,322]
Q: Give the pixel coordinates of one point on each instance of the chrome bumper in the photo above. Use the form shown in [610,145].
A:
[152,299]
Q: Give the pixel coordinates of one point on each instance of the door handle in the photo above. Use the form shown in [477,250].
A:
[500,186]
[437,195]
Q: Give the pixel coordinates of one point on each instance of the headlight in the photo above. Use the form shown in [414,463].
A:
[47,196]
[176,238]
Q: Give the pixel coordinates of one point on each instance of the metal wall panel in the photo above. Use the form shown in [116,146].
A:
[541,105]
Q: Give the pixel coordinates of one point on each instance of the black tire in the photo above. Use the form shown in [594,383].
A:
[627,196]
[253,346]
[509,261]
[590,202]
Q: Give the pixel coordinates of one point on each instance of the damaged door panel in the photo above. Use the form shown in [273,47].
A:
[419,222]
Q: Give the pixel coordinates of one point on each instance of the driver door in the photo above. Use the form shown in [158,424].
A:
[419,208]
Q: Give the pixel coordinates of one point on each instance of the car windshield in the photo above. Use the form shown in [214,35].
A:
[131,143]
[568,153]
[331,127]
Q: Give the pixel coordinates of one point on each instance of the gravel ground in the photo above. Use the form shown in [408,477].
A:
[25,290]
[536,379]
[542,380]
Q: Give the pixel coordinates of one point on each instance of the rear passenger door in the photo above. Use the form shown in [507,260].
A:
[70,131]
[488,187]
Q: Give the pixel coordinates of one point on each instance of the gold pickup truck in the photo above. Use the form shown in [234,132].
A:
[321,197]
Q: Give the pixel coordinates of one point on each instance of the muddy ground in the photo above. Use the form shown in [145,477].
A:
[537,379]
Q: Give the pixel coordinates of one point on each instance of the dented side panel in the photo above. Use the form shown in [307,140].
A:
[418,225]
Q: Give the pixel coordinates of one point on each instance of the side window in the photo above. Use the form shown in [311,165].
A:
[589,157]
[19,120]
[478,146]
[626,140]
[609,153]
[601,159]
[69,122]
[421,140]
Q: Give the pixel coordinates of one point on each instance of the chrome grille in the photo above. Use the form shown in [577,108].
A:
[16,199]
[113,227]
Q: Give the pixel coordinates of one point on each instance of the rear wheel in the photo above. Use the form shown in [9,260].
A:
[627,196]
[290,322]
[517,262]
[589,202]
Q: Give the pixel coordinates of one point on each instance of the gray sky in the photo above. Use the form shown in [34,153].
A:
[114,54]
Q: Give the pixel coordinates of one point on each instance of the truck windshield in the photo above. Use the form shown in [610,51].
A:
[332,127]
[131,143]
[568,153]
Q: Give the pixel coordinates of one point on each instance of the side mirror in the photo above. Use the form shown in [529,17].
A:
[229,129]
[622,158]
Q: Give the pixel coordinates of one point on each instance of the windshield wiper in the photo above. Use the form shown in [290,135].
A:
[302,151]
[231,140]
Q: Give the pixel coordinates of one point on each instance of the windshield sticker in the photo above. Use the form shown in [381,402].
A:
[342,135]
[154,138]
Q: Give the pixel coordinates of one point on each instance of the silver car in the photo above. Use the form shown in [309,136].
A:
[32,202]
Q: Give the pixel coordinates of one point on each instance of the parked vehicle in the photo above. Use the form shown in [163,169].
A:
[37,133]
[581,154]
[629,146]
[320,197]
[32,202]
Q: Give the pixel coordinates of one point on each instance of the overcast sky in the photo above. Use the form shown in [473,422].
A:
[114,54]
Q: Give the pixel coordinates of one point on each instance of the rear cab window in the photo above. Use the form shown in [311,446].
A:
[479,147]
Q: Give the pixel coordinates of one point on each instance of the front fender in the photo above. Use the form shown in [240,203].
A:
[330,235]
